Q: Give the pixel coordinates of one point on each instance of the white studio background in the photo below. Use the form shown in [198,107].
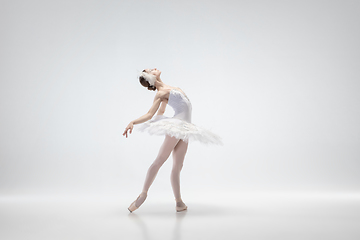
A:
[278,80]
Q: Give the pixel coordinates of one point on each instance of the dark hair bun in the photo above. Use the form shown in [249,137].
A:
[146,84]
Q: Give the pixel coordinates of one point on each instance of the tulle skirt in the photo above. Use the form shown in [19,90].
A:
[180,129]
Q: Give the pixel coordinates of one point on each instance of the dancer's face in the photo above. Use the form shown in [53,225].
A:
[154,72]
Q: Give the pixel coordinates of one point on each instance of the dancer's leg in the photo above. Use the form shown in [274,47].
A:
[164,153]
[178,160]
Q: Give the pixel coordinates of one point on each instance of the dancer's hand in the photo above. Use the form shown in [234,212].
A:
[130,127]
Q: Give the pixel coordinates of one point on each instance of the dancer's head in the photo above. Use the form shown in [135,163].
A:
[148,78]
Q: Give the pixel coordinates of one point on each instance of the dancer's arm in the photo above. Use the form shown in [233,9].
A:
[147,116]
[161,110]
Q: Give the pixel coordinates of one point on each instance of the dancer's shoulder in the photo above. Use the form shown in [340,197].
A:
[163,94]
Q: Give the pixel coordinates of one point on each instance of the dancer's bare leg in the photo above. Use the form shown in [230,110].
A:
[178,160]
[164,153]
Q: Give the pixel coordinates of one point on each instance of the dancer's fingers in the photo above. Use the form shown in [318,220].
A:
[129,127]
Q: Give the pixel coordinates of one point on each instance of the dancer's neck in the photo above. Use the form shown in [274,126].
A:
[160,85]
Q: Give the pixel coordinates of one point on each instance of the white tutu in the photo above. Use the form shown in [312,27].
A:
[180,129]
[179,126]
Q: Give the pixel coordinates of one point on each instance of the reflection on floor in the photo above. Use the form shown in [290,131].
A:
[225,216]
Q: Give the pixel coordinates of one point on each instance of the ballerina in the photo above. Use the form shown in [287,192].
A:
[178,130]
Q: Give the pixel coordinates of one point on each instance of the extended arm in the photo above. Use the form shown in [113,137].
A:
[150,113]
[145,117]
[161,110]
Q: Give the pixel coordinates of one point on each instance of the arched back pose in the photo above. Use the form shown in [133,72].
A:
[177,130]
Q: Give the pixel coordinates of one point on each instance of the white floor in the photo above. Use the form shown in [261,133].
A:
[226,216]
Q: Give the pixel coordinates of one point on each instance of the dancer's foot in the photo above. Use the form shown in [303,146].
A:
[180,205]
[138,202]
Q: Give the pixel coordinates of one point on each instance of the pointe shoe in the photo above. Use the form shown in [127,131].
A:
[180,209]
[133,206]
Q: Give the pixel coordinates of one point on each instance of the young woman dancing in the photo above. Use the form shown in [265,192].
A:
[177,130]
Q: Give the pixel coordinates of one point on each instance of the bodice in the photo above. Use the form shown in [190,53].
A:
[181,105]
